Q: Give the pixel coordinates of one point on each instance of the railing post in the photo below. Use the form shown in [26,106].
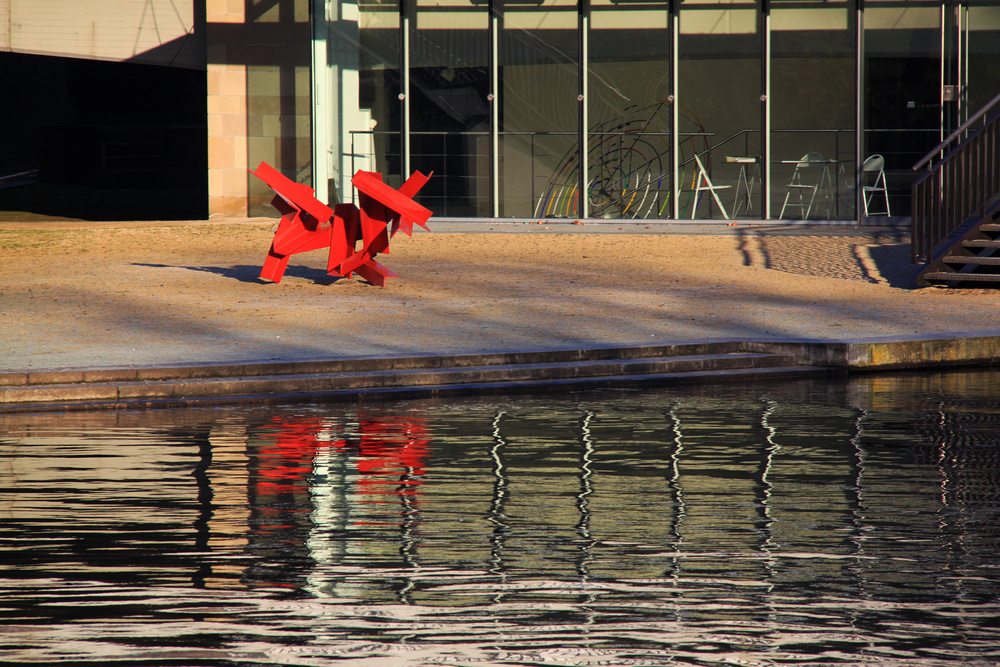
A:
[914,217]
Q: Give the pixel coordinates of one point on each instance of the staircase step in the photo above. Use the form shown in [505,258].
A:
[990,227]
[960,277]
[977,243]
[419,380]
[982,261]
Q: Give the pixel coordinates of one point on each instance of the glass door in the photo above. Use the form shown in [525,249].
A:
[813,97]
[538,70]
[628,111]
[979,55]
[720,108]
[450,107]
[367,84]
[902,89]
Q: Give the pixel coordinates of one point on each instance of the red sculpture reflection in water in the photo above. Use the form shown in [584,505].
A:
[291,486]
[284,466]
[390,455]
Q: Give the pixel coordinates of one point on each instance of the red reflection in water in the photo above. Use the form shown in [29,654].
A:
[392,451]
[388,455]
[284,465]
[391,454]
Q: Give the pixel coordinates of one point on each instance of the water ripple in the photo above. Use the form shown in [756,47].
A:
[805,523]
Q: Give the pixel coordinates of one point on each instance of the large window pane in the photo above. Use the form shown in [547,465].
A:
[539,110]
[363,80]
[812,109]
[983,23]
[628,143]
[279,101]
[375,140]
[449,109]
[902,92]
[719,90]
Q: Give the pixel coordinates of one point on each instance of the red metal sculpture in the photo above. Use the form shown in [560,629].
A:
[309,224]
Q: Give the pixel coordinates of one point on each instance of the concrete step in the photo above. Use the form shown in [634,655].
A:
[345,365]
[532,370]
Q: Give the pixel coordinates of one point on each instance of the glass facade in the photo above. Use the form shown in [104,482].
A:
[629,122]
[380,87]
[813,102]
[537,103]
[449,105]
[719,93]
[905,113]
[980,51]
[648,109]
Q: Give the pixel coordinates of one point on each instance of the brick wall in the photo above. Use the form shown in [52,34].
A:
[227,110]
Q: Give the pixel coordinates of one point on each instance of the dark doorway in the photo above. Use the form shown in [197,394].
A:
[94,140]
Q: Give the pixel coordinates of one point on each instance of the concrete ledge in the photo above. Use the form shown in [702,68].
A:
[923,353]
[898,353]
[59,393]
[687,361]
[437,391]
[365,364]
[531,367]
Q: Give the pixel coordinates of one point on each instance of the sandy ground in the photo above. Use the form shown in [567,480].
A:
[156,293]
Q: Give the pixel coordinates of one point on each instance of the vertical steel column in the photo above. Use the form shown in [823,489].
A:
[321,112]
[496,25]
[673,25]
[859,101]
[942,38]
[765,103]
[583,29]
[961,98]
[405,9]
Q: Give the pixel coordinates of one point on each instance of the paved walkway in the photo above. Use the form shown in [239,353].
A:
[85,295]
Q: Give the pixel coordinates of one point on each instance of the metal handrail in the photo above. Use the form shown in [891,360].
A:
[962,128]
[958,188]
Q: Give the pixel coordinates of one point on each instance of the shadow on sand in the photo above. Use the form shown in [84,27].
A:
[250,273]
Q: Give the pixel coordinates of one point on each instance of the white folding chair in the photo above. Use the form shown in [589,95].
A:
[743,200]
[874,165]
[704,184]
[802,188]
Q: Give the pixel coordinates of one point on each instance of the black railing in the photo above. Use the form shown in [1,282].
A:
[960,186]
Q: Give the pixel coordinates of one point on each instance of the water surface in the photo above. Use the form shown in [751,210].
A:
[809,522]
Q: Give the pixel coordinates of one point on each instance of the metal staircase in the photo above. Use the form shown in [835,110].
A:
[955,225]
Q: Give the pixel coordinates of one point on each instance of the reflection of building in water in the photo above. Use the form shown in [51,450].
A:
[708,477]
[281,457]
[150,493]
[230,514]
[955,434]
[672,487]
[366,502]
[328,491]
[667,486]
[956,444]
